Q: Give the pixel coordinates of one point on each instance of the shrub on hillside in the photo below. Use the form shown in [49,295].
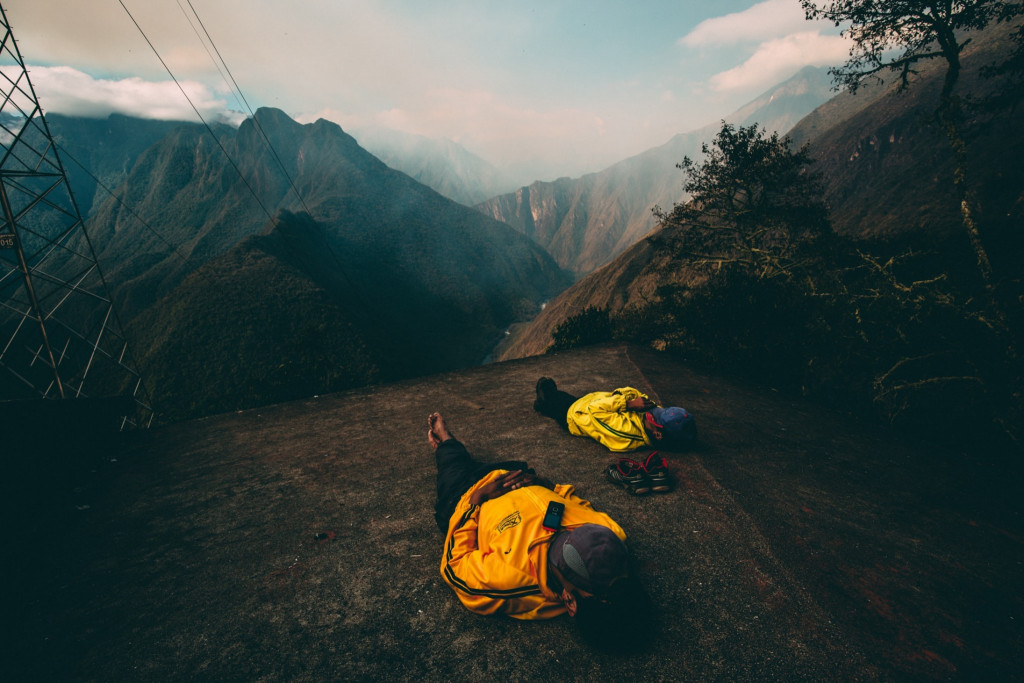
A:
[590,326]
[882,327]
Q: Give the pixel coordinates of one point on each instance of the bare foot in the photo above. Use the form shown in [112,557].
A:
[438,431]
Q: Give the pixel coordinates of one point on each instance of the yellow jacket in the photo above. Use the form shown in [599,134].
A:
[603,416]
[495,554]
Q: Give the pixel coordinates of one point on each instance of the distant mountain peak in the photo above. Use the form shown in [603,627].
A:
[274,116]
[586,222]
[442,164]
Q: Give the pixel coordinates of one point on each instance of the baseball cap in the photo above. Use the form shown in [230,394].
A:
[672,420]
[590,555]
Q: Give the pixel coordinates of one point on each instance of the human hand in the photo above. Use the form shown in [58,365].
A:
[640,403]
[500,486]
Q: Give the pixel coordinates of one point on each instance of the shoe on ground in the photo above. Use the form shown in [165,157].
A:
[546,387]
[656,469]
[630,475]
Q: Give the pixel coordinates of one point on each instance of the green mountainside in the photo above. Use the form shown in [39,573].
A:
[108,148]
[262,323]
[371,275]
[283,315]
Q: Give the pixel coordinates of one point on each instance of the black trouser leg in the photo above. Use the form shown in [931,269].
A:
[457,470]
[555,404]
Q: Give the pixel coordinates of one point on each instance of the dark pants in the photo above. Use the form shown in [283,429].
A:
[553,402]
[457,470]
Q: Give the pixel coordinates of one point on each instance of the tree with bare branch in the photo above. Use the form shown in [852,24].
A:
[896,36]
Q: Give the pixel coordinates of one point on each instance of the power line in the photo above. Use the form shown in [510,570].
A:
[208,53]
[196,110]
[238,90]
[341,270]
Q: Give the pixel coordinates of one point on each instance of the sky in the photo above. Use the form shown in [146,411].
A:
[542,88]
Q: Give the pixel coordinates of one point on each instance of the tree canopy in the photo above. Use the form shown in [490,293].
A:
[754,204]
[897,34]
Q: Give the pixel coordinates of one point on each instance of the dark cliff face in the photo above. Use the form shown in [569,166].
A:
[586,222]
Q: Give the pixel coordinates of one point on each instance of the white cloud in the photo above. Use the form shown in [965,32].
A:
[763,21]
[777,59]
[775,38]
[65,90]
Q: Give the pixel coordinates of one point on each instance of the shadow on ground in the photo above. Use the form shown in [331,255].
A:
[297,542]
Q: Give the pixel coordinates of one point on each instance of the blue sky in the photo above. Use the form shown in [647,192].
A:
[547,88]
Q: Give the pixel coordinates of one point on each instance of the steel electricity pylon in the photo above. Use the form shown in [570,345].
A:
[60,336]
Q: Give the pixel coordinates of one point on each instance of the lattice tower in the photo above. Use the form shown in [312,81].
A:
[60,336]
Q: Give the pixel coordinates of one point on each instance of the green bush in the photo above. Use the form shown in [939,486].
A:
[591,326]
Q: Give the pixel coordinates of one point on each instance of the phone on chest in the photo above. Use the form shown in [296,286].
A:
[553,516]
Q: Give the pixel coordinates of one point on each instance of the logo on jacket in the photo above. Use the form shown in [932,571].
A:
[512,520]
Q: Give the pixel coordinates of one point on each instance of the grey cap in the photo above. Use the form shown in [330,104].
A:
[590,555]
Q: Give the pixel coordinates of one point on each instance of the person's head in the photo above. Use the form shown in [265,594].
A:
[591,565]
[586,561]
[673,425]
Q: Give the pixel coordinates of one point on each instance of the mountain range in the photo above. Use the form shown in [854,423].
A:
[280,260]
[586,222]
[224,273]
[887,170]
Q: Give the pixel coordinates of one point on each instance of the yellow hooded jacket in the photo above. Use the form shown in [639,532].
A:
[495,554]
[603,416]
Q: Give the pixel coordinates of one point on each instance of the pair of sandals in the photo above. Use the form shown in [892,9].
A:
[641,478]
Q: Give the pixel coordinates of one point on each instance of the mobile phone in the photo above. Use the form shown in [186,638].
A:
[553,516]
